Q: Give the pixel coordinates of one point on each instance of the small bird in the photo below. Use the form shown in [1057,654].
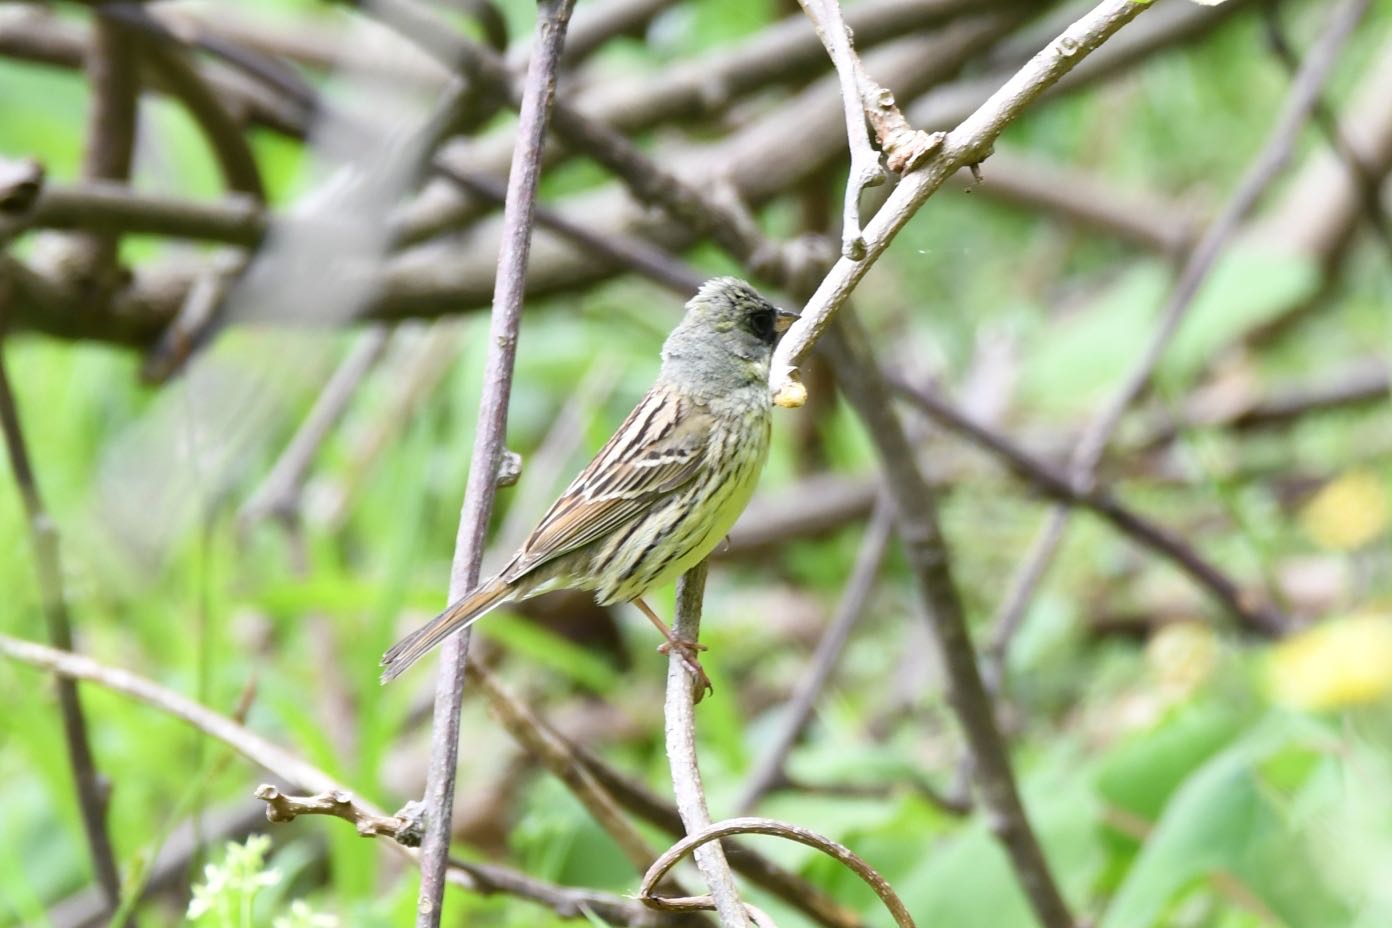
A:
[664,490]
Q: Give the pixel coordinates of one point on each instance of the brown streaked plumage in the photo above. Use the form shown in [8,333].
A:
[665,489]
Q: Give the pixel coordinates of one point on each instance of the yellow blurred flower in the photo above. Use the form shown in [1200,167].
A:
[1343,662]
[1348,512]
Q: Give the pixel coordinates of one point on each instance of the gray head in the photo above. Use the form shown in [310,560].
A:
[726,339]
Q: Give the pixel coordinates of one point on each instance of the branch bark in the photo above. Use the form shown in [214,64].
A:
[536,103]
[926,552]
[970,143]
[482,878]
[680,712]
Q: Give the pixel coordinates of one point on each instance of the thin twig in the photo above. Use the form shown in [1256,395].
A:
[404,827]
[680,713]
[866,170]
[768,771]
[1264,169]
[537,96]
[483,878]
[650,182]
[925,549]
[92,787]
[764,826]
[969,143]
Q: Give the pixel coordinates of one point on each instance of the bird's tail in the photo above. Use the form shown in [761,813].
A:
[459,616]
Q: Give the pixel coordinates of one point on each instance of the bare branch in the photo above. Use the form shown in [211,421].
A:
[1362,383]
[483,878]
[575,765]
[222,130]
[536,103]
[110,143]
[92,788]
[865,160]
[596,23]
[1364,177]
[764,826]
[968,144]
[680,712]
[926,551]
[404,827]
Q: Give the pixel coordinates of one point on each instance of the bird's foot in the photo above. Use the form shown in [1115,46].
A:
[687,651]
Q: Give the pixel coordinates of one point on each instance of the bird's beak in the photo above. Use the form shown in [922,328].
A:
[784,320]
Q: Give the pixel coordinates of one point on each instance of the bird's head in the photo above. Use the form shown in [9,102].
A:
[726,339]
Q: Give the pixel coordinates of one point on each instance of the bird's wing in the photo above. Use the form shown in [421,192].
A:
[659,447]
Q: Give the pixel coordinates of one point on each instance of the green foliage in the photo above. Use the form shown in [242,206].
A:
[1181,792]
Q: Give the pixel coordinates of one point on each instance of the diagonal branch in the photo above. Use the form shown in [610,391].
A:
[483,878]
[537,96]
[92,788]
[1098,500]
[968,144]
[573,765]
[925,549]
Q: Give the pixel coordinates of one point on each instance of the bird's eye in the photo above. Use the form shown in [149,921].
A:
[761,323]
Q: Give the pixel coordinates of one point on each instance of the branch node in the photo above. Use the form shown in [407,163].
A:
[509,468]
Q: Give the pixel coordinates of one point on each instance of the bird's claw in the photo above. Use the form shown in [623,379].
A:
[686,651]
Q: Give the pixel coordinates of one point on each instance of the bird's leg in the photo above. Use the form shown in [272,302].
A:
[686,650]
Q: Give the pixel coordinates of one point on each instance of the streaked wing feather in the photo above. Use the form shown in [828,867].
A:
[659,447]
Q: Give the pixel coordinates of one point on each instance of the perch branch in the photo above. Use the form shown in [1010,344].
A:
[680,712]
[536,102]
